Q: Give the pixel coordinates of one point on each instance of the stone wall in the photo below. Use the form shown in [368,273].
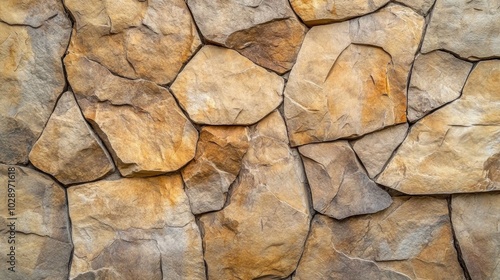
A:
[250,139]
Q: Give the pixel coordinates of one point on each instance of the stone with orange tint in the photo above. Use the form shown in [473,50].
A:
[355,75]
[134,228]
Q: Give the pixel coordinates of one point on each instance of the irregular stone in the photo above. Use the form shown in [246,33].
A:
[261,232]
[467,28]
[134,228]
[314,12]
[375,149]
[221,87]
[135,39]
[412,239]
[354,74]
[216,164]
[475,221]
[437,78]
[456,149]
[144,130]
[340,187]
[42,238]
[265,31]
[31,72]
[421,6]
[68,149]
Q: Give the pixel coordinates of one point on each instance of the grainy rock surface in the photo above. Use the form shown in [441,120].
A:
[33,37]
[42,238]
[68,149]
[144,129]
[421,6]
[355,75]
[457,148]
[261,232]
[339,186]
[134,228]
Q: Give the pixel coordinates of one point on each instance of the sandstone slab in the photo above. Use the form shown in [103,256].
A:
[68,149]
[412,239]
[355,75]
[340,187]
[221,87]
[421,6]
[34,37]
[134,228]
[437,78]
[135,39]
[265,31]
[217,163]
[144,129]
[375,149]
[314,12]
[42,237]
[475,220]
[456,149]
[261,232]
[467,28]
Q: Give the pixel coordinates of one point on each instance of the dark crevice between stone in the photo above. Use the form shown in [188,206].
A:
[456,244]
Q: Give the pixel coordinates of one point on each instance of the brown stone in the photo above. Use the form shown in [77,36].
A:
[221,87]
[144,130]
[421,6]
[339,185]
[216,164]
[134,228]
[355,75]
[261,232]
[68,149]
[456,149]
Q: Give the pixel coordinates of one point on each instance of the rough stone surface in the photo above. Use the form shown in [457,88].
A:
[144,130]
[467,28]
[33,39]
[134,228]
[457,148]
[410,240]
[314,12]
[265,31]
[135,39]
[340,187]
[261,232]
[421,6]
[42,237]
[475,221]
[217,163]
[221,87]
[68,149]
[375,149]
[437,78]
[355,75]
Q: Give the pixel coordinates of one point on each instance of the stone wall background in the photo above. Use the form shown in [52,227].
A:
[250,139]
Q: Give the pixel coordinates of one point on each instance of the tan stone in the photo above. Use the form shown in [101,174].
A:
[340,187]
[265,31]
[375,149]
[134,228]
[467,28]
[475,221]
[221,87]
[68,149]
[261,232]
[42,238]
[216,164]
[456,149]
[31,72]
[314,12]
[355,75]
[437,78]
[135,39]
[144,129]
[421,6]
[412,239]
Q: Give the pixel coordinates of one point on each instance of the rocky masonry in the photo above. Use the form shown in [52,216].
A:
[250,139]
